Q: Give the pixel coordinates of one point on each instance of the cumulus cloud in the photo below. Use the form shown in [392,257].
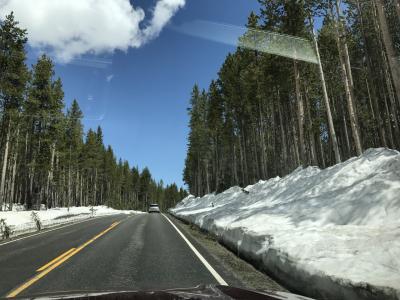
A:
[162,13]
[71,28]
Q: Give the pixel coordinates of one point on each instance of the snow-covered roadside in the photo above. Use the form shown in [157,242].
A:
[331,234]
[22,221]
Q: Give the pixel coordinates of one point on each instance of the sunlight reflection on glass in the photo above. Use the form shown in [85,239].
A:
[260,40]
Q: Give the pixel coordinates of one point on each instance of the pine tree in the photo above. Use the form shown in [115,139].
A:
[266,115]
[13,80]
[144,190]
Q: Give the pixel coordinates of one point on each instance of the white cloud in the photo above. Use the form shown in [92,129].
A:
[162,13]
[70,28]
[109,77]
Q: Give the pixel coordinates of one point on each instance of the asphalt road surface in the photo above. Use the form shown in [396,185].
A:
[122,252]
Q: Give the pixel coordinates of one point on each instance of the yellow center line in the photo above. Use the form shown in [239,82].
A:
[50,268]
[55,260]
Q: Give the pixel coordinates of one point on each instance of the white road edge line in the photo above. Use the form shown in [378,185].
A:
[218,277]
[50,230]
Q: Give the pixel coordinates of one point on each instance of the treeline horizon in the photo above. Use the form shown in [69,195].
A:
[46,157]
[265,115]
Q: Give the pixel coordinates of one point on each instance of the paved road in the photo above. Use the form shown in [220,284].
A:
[111,253]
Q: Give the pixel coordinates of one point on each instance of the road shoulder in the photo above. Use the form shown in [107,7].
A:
[234,270]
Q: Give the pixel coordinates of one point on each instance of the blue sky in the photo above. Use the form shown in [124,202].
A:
[142,107]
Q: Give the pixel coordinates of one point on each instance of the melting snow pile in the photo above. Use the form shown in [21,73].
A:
[22,221]
[332,233]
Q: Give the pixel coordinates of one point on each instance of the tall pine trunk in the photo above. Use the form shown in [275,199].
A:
[69,193]
[394,64]
[207,177]
[4,168]
[372,89]
[50,174]
[347,87]
[14,169]
[295,144]
[262,143]
[332,131]
[313,155]
[283,141]
[345,131]
[300,113]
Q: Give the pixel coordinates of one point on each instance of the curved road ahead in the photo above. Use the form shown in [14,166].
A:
[135,252]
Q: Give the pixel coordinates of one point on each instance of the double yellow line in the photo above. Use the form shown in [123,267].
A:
[47,268]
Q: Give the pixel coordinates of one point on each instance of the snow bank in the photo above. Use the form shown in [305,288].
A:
[15,207]
[331,234]
[21,221]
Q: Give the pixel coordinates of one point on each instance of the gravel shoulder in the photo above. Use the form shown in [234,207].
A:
[244,272]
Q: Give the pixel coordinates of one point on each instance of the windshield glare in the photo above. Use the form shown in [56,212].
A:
[200,147]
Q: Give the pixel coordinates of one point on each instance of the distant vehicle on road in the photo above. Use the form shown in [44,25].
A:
[154,208]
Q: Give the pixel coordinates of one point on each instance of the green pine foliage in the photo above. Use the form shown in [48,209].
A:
[265,115]
[46,157]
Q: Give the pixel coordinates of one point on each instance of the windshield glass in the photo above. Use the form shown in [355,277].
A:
[141,141]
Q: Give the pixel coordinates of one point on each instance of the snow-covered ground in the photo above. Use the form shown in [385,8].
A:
[22,221]
[332,234]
